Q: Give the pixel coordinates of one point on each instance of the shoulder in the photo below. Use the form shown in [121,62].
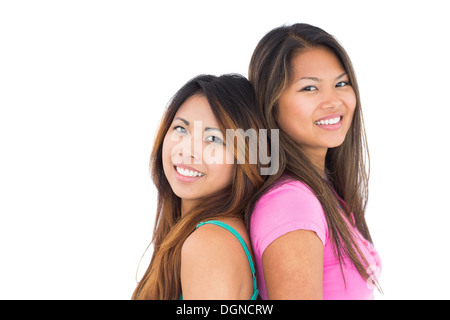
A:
[291,199]
[203,241]
[213,263]
[210,237]
[288,206]
[288,193]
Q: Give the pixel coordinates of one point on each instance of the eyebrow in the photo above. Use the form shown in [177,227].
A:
[183,120]
[318,80]
[188,123]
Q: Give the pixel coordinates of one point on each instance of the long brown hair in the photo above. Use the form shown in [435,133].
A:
[346,170]
[231,99]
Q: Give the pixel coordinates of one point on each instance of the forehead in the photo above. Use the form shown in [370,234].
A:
[316,62]
[197,108]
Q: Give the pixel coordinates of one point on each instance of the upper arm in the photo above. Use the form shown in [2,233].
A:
[288,208]
[289,231]
[212,265]
[293,266]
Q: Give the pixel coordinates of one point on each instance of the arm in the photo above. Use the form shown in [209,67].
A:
[293,266]
[214,266]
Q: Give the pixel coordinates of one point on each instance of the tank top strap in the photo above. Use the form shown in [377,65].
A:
[244,246]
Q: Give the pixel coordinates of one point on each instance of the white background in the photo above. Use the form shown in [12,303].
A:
[83,85]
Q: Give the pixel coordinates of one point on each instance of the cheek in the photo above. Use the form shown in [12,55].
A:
[294,117]
[223,175]
[173,148]
[350,102]
[167,153]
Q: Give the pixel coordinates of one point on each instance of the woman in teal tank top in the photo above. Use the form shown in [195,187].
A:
[204,170]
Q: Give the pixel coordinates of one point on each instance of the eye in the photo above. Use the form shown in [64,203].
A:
[214,139]
[179,129]
[309,88]
[342,84]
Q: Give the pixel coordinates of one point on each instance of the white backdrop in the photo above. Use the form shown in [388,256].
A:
[83,85]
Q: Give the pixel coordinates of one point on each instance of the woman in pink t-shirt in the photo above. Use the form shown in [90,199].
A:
[308,229]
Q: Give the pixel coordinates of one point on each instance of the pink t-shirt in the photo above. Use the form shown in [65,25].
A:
[291,206]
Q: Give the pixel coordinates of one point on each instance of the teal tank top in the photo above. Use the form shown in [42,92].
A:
[244,246]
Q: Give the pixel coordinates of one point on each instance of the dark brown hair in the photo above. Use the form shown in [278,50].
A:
[231,99]
[346,172]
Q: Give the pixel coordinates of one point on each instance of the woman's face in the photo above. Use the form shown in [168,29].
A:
[316,110]
[195,159]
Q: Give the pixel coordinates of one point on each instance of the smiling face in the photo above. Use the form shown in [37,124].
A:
[195,158]
[316,110]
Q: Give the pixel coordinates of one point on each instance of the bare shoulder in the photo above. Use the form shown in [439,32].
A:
[209,238]
[214,264]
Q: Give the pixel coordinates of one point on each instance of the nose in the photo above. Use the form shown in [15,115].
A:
[185,154]
[331,100]
[187,150]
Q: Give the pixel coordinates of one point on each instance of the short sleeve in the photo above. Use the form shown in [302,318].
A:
[288,207]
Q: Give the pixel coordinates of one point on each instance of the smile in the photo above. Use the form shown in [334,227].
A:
[188,173]
[328,121]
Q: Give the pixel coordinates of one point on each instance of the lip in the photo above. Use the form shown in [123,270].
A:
[335,126]
[331,116]
[186,178]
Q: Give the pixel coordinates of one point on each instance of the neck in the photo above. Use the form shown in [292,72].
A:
[186,206]
[317,157]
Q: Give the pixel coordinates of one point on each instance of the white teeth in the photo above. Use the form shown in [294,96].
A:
[189,173]
[328,121]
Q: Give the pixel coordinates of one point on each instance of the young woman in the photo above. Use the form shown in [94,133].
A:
[200,241]
[308,230]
